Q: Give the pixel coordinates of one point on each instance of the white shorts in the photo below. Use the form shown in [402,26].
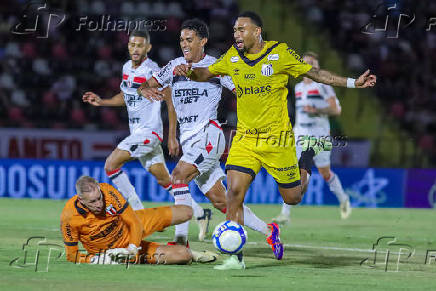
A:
[145,147]
[204,150]
[323,158]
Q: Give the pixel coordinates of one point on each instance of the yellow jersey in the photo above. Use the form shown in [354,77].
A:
[260,81]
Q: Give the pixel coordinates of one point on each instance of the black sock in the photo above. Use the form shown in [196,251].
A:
[306,160]
[240,256]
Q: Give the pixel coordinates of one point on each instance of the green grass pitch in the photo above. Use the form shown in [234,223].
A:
[321,252]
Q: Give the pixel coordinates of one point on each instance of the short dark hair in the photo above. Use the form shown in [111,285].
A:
[141,33]
[254,17]
[197,25]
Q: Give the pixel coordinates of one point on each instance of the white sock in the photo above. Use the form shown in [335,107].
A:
[336,187]
[286,209]
[254,222]
[182,196]
[121,180]
[196,209]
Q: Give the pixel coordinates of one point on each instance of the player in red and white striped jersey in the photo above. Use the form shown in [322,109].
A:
[145,123]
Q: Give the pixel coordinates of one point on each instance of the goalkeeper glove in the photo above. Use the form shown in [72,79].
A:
[102,259]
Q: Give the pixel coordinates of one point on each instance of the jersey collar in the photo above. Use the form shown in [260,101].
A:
[82,211]
[252,63]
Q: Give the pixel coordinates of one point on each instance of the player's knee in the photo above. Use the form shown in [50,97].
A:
[293,199]
[108,166]
[177,177]
[162,182]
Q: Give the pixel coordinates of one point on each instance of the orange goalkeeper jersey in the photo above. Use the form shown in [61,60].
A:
[116,228]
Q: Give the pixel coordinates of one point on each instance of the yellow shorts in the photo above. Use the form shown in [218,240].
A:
[153,219]
[248,154]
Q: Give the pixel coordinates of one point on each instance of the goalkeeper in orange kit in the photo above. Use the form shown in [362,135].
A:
[109,229]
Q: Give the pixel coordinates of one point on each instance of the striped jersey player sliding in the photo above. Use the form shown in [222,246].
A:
[260,71]
[201,136]
[145,123]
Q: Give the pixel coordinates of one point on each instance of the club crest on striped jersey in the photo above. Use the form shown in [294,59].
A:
[130,81]
[111,210]
[267,70]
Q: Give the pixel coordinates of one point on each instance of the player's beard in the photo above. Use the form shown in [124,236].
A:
[138,61]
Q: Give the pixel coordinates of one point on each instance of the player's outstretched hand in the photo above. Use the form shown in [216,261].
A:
[173,147]
[152,94]
[366,80]
[183,70]
[91,98]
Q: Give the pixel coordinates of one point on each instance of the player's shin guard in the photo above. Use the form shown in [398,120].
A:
[182,196]
[197,209]
[254,222]
[121,180]
[336,187]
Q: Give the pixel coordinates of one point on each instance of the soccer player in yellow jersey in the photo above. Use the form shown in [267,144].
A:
[260,71]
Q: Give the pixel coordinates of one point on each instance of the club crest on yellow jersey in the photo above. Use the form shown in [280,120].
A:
[267,70]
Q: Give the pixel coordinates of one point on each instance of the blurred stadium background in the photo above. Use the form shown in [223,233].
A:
[385,149]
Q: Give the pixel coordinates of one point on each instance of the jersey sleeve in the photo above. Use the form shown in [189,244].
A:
[165,75]
[227,82]
[293,64]
[70,236]
[221,65]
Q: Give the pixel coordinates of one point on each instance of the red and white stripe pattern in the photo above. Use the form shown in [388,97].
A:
[114,173]
[180,189]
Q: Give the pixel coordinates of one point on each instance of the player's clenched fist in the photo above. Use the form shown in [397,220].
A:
[183,70]
[91,98]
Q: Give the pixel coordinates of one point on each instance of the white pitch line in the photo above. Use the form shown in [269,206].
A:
[329,248]
[298,246]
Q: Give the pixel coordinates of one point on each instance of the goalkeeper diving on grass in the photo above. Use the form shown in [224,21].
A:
[111,231]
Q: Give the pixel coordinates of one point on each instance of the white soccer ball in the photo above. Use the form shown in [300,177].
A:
[229,237]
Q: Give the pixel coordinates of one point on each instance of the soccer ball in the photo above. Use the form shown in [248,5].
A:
[229,237]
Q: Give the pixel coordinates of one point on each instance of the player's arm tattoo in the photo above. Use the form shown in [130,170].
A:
[326,77]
